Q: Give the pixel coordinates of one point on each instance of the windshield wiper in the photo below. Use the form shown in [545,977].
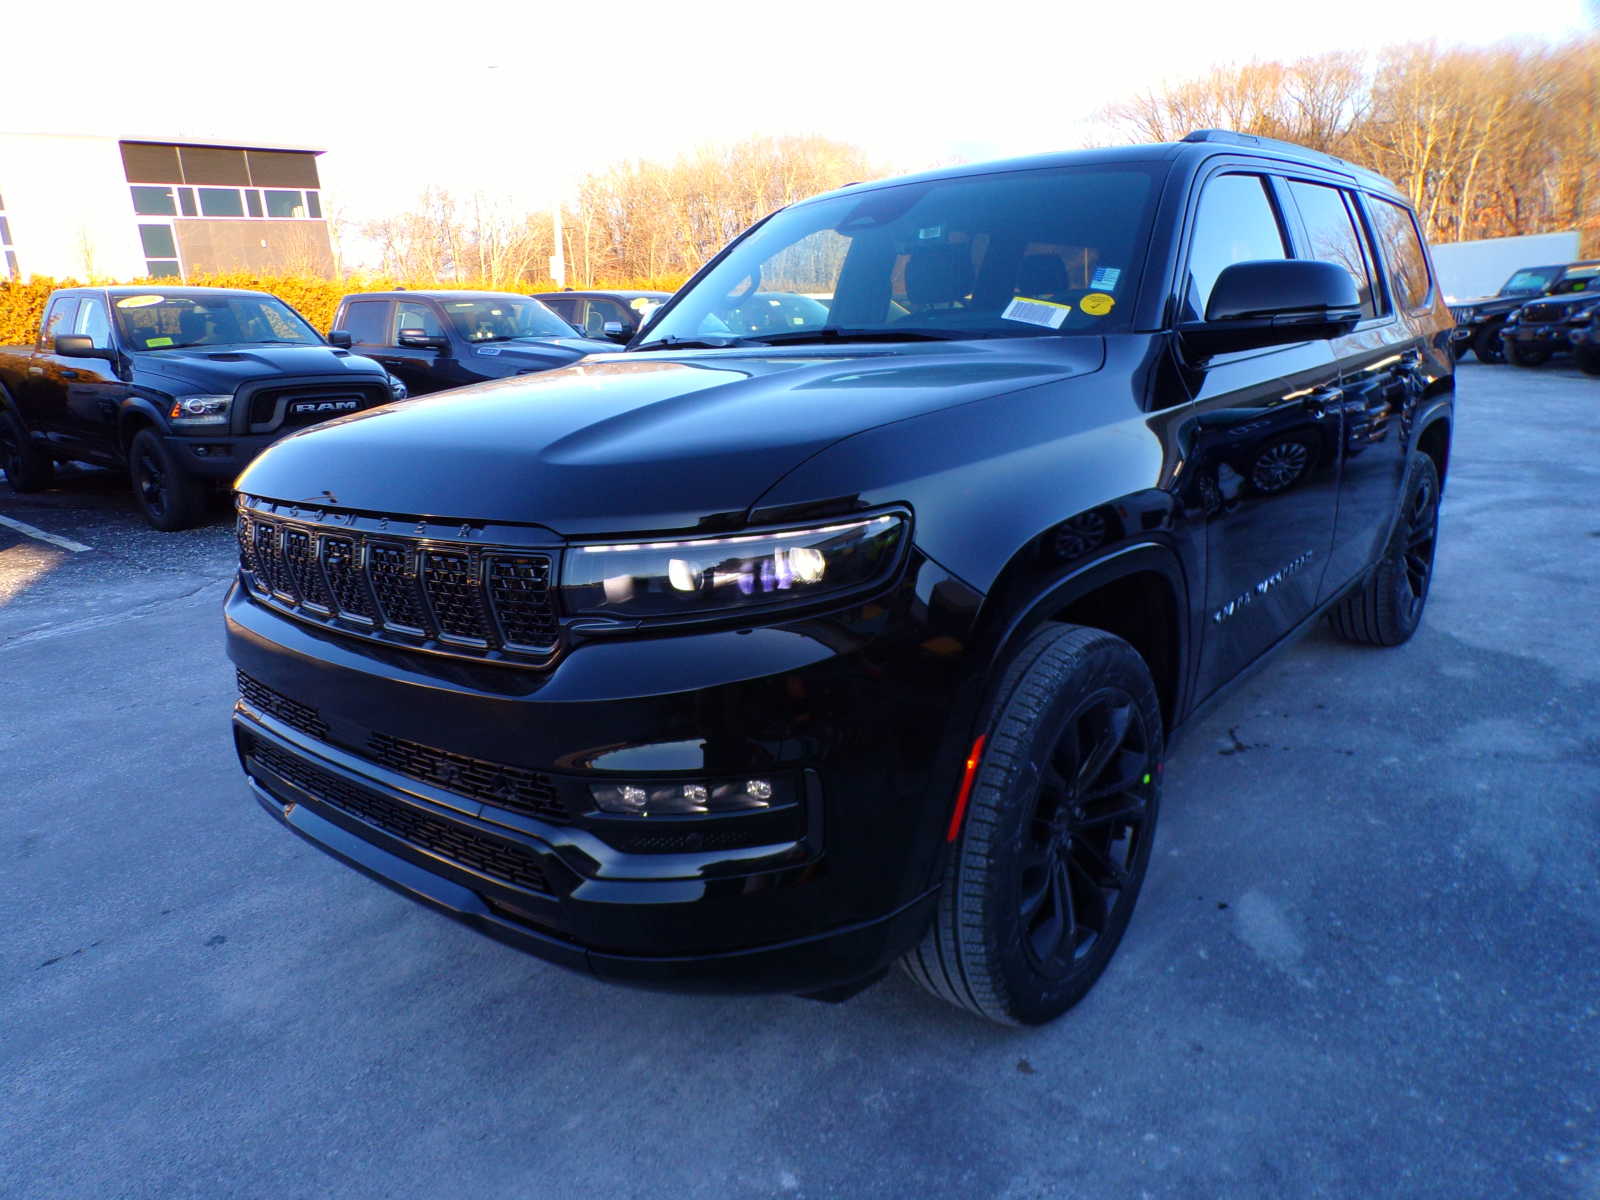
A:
[709,342]
[799,337]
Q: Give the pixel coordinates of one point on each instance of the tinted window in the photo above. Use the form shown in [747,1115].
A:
[157,241]
[1333,235]
[92,321]
[285,204]
[1402,253]
[186,202]
[252,200]
[1236,223]
[419,316]
[500,318]
[221,202]
[155,202]
[213,164]
[367,321]
[1529,283]
[58,320]
[153,321]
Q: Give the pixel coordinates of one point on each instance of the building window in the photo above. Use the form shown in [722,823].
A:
[5,243]
[160,251]
[286,204]
[155,201]
[221,202]
[176,200]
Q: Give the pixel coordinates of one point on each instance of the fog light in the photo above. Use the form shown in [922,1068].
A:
[685,799]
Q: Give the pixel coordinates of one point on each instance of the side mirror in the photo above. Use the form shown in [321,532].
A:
[1274,303]
[421,339]
[77,345]
[616,331]
[340,338]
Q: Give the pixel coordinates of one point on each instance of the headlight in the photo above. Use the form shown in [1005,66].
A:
[189,411]
[397,389]
[1581,317]
[708,577]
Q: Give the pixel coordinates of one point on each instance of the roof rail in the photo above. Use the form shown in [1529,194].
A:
[1230,137]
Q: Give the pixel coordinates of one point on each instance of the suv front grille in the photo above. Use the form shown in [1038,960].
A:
[1542,312]
[422,588]
[292,713]
[460,844]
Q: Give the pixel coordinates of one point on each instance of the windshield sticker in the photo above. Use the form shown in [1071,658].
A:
[1037,312]
[1096,304]
[1105,278]
[139,301]
[152,343]
[930,232]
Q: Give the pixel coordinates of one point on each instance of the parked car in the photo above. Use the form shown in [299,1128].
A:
[182,386]
[616,316]
[766,662]
[447,339]
[1542,327]
[1584,334]
[1478,322]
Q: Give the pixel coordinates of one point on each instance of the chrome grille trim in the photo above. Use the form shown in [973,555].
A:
[470,590]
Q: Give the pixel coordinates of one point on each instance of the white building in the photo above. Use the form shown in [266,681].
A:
[114,209]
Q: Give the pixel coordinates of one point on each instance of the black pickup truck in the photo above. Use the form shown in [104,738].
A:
[766,661]
[181,386]
[448,339]
[1479,322]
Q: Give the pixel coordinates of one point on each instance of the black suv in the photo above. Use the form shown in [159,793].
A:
[432,341]
[1479,322]
[767,662]
[1545,326]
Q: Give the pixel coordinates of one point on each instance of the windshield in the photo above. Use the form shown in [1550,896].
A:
[1587,280]
[160,322]
[1016,253]
[1531,281]
[501,318]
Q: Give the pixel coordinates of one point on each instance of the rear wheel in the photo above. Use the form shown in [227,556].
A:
[1527,356]
[26,466]
[1387,608]
[1588,359]
[1056,838]
[169,499]
[1486,343]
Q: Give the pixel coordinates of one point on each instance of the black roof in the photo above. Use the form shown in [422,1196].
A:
[437,294]
[156,289]
[613,293]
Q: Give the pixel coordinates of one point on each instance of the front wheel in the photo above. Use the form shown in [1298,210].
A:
[1486,343]
[27,468]
[1588,359]
[169,499]
[1527,356]
[1387,608]
[1053,848]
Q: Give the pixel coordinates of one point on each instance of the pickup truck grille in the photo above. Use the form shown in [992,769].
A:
[1540,313]
[411,588]
[290,407]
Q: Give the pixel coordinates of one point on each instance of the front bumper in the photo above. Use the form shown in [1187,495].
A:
[1553,335]
[856,707]
[219,457]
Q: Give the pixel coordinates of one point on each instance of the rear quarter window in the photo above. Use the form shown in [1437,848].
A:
[1401,246]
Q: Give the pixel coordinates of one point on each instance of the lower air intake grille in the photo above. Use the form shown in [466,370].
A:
[467,847]
[506,787]
[292,713]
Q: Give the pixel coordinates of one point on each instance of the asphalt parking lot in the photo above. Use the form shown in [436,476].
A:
[1366,962]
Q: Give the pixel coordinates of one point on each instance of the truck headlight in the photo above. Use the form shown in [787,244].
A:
[717,576]
[191,411]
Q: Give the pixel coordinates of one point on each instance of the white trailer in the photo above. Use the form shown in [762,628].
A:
[1472,270]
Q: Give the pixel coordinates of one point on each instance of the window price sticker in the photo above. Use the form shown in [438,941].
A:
[1037,312]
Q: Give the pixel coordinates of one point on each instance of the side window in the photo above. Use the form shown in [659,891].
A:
[92,321]
[1236,223]
[1333,235]
[601,311]
[367,322]
[417,316]
[1402,251]
[63,311]
[567,310]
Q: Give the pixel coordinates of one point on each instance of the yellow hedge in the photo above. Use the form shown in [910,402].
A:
[22,302]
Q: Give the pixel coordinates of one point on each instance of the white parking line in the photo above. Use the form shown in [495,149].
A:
[34,531]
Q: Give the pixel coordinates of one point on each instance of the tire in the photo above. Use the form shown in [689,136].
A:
[1386,608]
[1486,343]
[27,468]
[169,499]
[1588,358]
[1527,356]
[1039,888]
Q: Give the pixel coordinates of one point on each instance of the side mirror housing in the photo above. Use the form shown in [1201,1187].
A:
[616,331]
[340,338]
[1273,303]
[77,345]
[421,339]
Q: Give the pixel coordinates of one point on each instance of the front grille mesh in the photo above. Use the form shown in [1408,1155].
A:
[508,787]
[292,713]
[1541,312]
[480,852]
[476,601]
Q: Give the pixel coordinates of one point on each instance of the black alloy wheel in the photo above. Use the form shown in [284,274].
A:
[27,470]
[169,499]
[1486,342]
[1386,608]
[1053,847]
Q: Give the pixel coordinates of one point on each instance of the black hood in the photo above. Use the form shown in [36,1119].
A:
[640,442]
[221,369]
[543,352]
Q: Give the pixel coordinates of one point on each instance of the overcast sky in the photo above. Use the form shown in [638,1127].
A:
[520,99]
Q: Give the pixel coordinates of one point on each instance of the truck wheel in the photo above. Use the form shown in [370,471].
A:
[1588,359]
[27,468]
[1528,356]
[1486,343]
[1056,837]
[168,498]
[1387,608]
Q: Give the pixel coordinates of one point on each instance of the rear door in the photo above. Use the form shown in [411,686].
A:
[44,390]
[93,390]
[1261,441]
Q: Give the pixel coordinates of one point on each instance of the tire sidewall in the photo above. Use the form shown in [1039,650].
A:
[182,494]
